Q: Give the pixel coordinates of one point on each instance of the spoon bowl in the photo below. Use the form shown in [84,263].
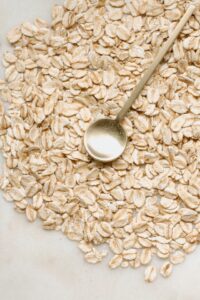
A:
[105,140]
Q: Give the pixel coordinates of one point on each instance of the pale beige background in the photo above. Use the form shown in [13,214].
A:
[40,265]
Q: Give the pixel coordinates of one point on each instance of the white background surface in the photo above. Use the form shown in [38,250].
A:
[41,265]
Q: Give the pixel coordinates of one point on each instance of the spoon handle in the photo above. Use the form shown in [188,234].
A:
[155,63]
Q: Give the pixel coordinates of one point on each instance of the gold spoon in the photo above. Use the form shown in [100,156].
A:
[105,139]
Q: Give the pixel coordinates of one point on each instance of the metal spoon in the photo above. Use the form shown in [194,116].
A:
[105,139]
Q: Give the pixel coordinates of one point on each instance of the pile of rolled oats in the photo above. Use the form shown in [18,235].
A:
[84,64]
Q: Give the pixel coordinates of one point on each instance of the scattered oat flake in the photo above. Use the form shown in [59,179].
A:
[14,35]
[70,4]
[166,269]
[115,261]
[108,77]
[136,52]
[123,33]
[150,274]
[177,257]
[31,213]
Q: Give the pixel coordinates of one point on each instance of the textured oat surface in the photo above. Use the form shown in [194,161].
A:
[29,214]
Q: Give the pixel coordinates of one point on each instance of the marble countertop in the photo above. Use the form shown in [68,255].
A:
[40,265]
